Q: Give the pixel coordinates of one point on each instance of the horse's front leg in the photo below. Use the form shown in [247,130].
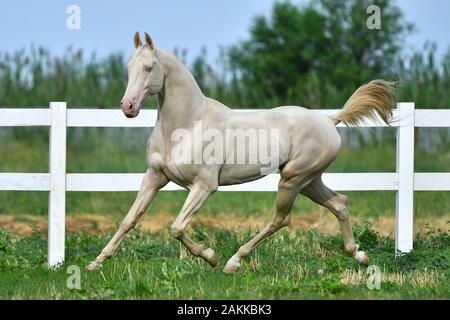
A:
[198,194]
[152,182]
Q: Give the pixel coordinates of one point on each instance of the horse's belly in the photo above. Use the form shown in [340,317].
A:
[240,173]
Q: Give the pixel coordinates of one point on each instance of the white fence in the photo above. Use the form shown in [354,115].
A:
[405,181]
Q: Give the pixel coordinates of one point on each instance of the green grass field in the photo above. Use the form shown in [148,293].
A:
[301,265]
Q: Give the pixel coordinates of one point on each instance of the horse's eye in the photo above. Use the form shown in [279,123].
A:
[148,68]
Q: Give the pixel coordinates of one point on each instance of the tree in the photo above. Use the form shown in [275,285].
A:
[315,54]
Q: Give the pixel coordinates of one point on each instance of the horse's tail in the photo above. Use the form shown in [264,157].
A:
[375,97]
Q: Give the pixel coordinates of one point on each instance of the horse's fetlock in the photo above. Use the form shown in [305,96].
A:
[351,248]
[286,221]
[243,252]
[176,231]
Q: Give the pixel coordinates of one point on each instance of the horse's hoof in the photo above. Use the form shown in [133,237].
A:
[94,265]
[210,256]
[233,265]
[361,257]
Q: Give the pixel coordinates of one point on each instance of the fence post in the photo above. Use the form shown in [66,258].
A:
[405,170]
[57,195]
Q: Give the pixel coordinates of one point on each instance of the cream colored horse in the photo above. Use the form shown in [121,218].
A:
[308,144]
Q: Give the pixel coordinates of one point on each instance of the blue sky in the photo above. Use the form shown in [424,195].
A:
[108,26]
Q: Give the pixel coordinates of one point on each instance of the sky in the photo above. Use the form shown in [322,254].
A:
[108,26]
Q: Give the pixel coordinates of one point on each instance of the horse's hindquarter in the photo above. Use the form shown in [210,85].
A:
[314,144]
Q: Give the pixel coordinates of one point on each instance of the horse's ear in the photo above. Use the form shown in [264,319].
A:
[149,41]
[137,40]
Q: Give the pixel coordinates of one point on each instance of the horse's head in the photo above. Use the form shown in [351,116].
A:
[145,76]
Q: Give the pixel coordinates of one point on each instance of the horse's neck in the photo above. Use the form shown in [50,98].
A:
[181,101]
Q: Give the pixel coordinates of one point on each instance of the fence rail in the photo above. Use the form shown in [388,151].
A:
[405,181]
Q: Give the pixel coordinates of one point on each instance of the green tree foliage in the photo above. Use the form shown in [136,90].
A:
[316,54]
[424,80]
[34,77]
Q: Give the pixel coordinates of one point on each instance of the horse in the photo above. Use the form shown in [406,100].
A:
[307,144]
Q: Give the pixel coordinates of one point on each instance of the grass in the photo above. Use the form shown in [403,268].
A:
[293,265]
[300,265]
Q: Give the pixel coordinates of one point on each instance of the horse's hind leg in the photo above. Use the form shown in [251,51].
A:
[287,193]
[336,203]
[152,182]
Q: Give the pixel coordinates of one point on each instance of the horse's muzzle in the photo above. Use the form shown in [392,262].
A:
[129,108]
[132,113]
